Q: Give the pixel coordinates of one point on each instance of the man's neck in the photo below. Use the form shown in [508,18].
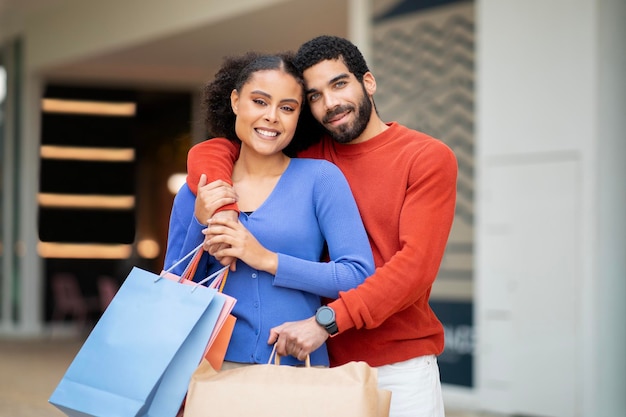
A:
[374,128]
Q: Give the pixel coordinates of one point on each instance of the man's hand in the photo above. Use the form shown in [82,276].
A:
[211,197]
[298,338]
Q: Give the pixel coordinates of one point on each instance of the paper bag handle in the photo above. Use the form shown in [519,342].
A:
[195,250]
[274,355]
[191,268]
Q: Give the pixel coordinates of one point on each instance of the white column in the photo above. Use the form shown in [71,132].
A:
[359,26]
[608,357]
[551,229]
[8,191]
[32,283]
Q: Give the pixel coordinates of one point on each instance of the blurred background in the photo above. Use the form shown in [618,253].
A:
[99,104]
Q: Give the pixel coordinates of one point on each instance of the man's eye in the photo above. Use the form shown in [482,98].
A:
[340,84]
[314,97]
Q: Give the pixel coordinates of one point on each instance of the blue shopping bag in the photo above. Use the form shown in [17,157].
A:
[139,358]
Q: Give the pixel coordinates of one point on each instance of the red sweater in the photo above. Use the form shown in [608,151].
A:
[404,183]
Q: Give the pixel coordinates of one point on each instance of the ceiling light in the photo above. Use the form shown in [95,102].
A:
[94,108]
[148,248]
[83,250]
[87,154]
[175,181]
[110,202]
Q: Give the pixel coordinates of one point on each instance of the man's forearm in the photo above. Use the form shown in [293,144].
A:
[214,158]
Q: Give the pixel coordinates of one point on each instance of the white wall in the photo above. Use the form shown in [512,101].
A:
[550,207]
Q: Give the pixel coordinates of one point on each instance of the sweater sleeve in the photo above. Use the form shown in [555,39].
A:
[350,254]
[215,158]
[425,221]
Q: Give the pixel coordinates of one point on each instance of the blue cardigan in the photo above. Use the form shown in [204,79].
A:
[311,205]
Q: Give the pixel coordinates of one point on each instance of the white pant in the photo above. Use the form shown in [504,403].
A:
[415,387]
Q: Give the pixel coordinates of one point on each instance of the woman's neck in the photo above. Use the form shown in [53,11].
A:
[255,176]
[252,165]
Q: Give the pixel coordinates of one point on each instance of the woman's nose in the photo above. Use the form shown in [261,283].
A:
[270,114]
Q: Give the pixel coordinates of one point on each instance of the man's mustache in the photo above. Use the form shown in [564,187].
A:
[336,111]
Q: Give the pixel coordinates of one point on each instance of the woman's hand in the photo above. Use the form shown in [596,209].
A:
[215,248]
[234,240]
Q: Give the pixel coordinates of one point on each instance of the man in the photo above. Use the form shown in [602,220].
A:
[404,183]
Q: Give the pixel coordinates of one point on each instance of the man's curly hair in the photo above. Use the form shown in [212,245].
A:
[233,74]
[327,47]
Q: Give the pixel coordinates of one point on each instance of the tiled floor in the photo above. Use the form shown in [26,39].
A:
[29,372]
[31,369]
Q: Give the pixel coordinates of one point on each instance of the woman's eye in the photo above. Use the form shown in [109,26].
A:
[288,109]
[259,101]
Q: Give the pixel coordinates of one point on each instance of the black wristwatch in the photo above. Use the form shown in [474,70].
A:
[325,317]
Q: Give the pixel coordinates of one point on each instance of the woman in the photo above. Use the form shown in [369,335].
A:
[294,212]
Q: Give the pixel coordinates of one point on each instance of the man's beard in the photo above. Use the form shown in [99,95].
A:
[346,133]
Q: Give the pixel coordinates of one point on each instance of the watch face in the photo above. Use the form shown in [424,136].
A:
[325,316]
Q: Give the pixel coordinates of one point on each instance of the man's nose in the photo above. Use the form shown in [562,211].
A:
[330,102]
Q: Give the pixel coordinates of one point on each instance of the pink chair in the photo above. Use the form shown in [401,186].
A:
[68,299]
[107,288]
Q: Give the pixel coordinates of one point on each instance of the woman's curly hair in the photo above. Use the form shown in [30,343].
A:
[233,74]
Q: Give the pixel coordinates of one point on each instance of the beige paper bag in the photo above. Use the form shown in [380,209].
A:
[350,390]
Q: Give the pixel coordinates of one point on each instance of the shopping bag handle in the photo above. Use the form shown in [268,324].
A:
[191,269]
[186,274]
[274,355]
[180,261]
[213,275]
[219,282]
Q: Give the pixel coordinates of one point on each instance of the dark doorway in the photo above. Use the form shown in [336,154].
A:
[104,183]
